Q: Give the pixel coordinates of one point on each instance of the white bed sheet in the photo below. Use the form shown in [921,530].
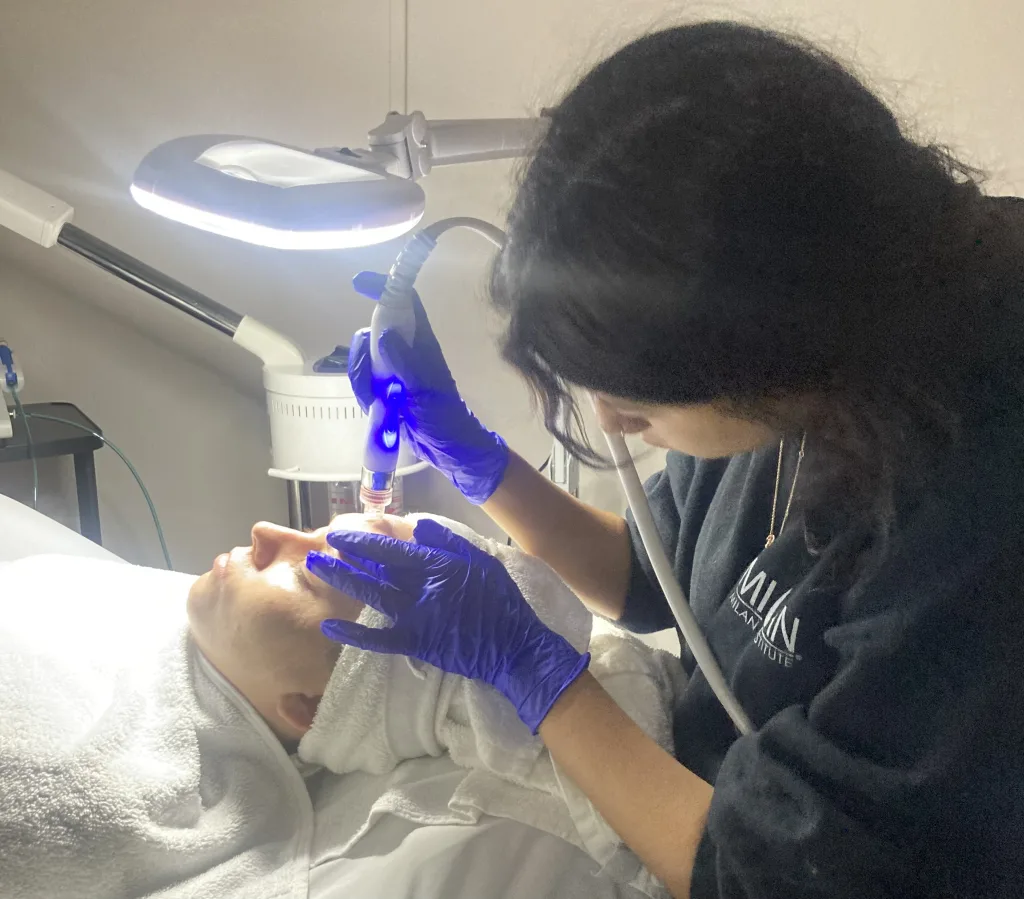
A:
[399,859]
[395,858]
[25,532]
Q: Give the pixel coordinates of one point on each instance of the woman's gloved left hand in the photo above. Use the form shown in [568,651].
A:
[454,606]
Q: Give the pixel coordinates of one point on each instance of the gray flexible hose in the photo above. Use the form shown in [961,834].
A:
[677,602]
[398,291]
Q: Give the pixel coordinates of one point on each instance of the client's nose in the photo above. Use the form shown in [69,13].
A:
[268,540]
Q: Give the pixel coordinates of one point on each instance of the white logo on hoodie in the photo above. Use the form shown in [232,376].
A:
[752,600]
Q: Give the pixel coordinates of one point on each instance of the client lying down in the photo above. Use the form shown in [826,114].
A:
[144,752]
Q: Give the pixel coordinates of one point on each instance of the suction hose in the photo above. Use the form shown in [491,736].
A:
[395,310]
[677,602]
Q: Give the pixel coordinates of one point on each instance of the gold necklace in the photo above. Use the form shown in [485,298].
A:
[792,489]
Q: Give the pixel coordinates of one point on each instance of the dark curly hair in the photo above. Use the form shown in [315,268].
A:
[720,213]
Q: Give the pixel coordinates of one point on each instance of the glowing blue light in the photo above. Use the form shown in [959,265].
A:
[387,434]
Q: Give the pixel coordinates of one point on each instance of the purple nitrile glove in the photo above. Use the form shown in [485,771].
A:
[442,429]
[453,606]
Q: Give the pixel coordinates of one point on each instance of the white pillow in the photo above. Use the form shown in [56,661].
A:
[25,532]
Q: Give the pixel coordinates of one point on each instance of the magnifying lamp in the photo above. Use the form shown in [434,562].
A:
[276,195]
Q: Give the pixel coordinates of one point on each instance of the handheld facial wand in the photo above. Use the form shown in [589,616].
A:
[395,311]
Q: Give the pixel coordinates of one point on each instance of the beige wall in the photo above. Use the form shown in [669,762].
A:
[196,440]
[952,66]
[85,89]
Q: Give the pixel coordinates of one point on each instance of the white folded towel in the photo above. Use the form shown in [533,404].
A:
[129,767]
[379,710]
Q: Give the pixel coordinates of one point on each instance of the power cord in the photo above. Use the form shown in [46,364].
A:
[124,458]
[30,448]
[12,384]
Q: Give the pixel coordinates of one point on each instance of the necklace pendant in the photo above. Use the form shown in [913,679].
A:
[769,541]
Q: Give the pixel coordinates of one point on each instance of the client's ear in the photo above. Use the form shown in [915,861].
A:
[298,710]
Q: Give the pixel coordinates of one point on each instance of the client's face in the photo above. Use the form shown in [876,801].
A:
[256,616]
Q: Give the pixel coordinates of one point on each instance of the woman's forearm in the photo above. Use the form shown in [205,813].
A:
[588,548]
[653,803]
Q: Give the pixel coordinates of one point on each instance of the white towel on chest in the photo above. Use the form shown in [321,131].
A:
[127,767]
[379,710]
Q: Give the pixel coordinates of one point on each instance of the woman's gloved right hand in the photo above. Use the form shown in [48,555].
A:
[438,423]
